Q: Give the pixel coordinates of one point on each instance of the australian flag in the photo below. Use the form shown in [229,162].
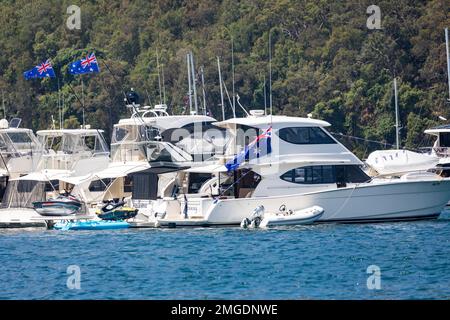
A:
[86,65]
[257,148]
[44,70]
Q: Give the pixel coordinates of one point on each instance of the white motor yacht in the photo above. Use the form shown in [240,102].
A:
[305,167]
[67,153]
[146,149]
[19,151]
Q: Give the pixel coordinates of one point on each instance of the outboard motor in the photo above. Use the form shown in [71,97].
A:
[255,220]
[245,223]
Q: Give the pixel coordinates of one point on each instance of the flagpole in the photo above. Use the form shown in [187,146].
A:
[115,79]
[59,105]
[82,97]
[62,112]
[76,96]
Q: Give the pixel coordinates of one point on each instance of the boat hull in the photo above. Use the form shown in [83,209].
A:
[20,218]
[370,202]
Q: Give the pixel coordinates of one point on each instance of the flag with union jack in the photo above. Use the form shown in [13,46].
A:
[44,70]
[86,65]
[257,148]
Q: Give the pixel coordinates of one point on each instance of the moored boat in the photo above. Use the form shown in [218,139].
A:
[114,211]
[62,205]
[306,167]
[291,218]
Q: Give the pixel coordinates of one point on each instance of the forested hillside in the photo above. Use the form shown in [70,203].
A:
[325,59]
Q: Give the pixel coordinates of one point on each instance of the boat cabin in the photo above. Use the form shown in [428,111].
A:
[72,149]
[441,146]
[136,138]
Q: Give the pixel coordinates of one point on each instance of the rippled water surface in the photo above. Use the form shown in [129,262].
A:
[316,262]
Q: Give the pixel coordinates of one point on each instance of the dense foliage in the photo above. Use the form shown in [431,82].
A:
[325,59]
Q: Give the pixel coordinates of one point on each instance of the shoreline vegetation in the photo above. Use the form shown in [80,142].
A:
[325,61]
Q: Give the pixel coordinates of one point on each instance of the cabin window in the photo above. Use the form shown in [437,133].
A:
[119,134]
[352,174]
[19,137]
[99,185]
[196,180]
[444,140]
[305,135]
[52,185]
[127,184]
[326,174]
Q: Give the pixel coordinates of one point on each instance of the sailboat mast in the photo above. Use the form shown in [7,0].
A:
[270,72]
[193,83]
[188,60]
[221,89]
[448,61]
[203,90]
[232,71]
[3,104]
[159,76]
[163,85]
[397,126]
[265,95]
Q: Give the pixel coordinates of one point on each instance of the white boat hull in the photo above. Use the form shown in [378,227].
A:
[371,202]
[20,218]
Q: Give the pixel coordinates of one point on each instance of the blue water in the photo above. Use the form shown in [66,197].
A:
[315,262]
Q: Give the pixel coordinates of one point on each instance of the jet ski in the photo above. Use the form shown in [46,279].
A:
[63,205]
[116,210]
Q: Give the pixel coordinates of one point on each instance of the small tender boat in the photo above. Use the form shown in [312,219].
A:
[297,217]
[116,210]
[63,205]
[284,217]
[91,225]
